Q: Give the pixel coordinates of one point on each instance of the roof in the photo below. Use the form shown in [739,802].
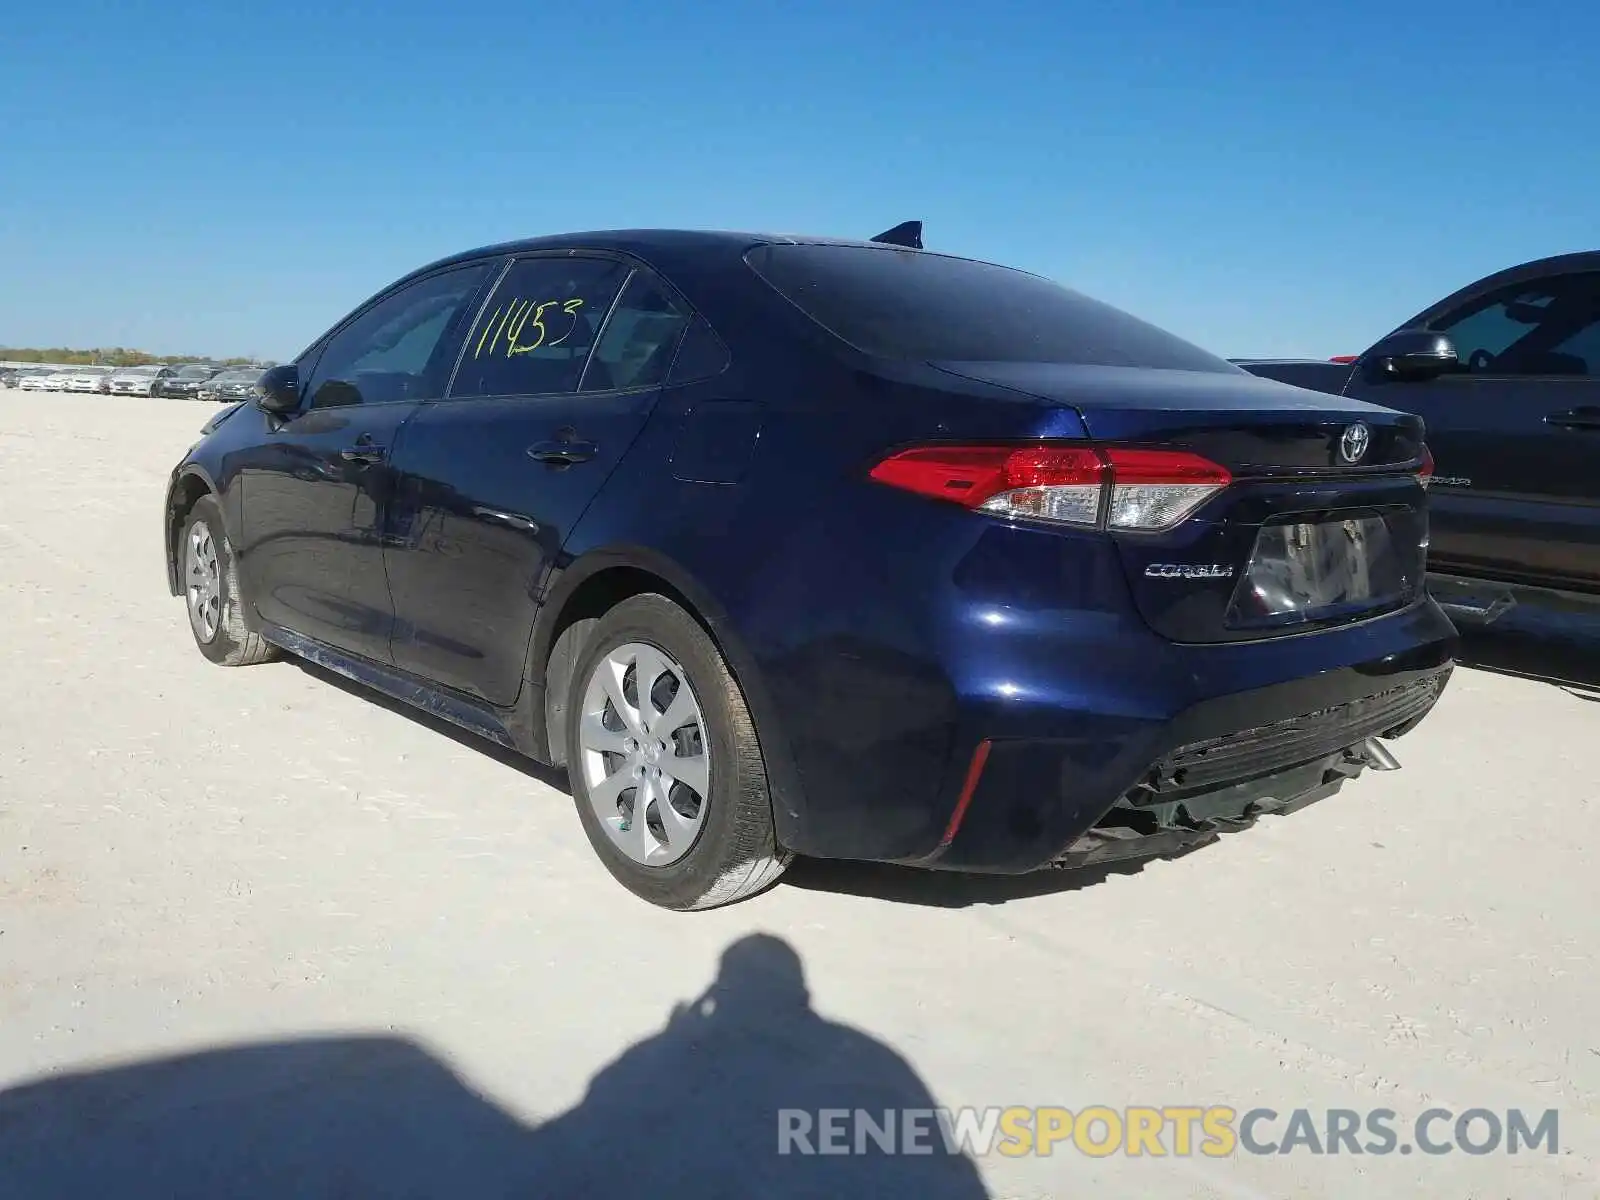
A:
[1537,268]
[650,243]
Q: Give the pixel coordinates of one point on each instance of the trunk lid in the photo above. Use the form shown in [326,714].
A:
[1325,521]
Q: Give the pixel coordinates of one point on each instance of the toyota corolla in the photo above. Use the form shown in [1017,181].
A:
[802,546]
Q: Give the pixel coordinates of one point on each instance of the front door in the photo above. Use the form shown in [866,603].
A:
[556,381]
[315,494]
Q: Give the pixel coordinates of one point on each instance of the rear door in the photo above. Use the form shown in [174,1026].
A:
[1516,434]
[316,490]
[556,380]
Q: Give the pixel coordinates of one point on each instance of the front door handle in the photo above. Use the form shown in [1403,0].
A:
[1575,418]
[563,453]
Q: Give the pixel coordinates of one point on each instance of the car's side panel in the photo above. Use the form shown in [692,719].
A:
[814,579]
[1512,496]
[700,539]
[478,522]
[491,484]
[312,525]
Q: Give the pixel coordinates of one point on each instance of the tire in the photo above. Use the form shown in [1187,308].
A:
[722,848]
[205,558]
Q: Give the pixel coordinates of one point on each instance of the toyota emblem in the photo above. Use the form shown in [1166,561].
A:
[1353,445]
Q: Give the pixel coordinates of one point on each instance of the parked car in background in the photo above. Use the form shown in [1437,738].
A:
[837,548]
[85,379]
[237,383]
[138,381]
[185,380]
[1506,374]
[57,381]
[34,381]
[9,377]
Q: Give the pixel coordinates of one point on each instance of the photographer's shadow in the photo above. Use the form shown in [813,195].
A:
[693,1111]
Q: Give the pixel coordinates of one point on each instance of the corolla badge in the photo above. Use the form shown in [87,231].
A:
[1353,445]
[1189,571]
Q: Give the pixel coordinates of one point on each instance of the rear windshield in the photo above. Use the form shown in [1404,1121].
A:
[911,304]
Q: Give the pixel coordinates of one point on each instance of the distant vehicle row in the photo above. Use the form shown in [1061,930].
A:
[203,381]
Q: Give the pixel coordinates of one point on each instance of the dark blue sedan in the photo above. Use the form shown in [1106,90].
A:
[836,548]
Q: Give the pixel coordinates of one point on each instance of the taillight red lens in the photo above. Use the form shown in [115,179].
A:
[1344,358]
[1133,489]
[1425,472]
[1165,466]
[970,475]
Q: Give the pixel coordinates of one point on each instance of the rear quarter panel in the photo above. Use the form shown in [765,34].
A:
[824,589]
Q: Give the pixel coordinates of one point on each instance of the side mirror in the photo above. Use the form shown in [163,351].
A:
[1411,354]
[278,390]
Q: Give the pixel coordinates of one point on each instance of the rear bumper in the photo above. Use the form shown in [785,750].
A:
[1042,800]
[1020,732]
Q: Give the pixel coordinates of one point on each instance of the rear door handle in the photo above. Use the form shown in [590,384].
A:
[363,452]
[1575,418]
[563,453]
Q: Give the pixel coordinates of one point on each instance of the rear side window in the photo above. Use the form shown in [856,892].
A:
[910,304]
[535,334]
[701,356]
[639,341]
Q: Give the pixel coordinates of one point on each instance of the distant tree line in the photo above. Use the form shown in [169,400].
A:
[116,356]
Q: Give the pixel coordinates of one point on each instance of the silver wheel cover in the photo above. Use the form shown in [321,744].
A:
[202,582]
[644,754]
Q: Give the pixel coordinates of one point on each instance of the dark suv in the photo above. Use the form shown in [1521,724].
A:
[184,381]
[1506,373]
[844,549]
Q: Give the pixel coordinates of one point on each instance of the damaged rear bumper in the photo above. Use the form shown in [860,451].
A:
[1212,770]
[1133,830]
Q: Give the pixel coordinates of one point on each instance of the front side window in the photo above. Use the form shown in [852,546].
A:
[400,348]
[637,347]
[1551,327]
[915,305]
[535,334]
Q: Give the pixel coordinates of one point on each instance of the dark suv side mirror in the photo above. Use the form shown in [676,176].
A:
[1411,354]
[278,390]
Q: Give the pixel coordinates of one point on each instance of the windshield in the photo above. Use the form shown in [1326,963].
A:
[911,304]
[195,372]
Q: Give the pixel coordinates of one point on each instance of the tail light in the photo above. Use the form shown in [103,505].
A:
[1425,472]
[1346,359]
[1070,485]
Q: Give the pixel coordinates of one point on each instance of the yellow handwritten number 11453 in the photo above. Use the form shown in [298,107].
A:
[517,316]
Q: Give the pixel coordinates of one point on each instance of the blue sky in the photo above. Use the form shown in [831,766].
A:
[230,177]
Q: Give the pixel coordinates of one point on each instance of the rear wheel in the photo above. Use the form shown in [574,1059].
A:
[665,766]
[211,595]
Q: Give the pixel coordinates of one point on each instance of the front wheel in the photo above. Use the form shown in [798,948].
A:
[210,579]
[665,766]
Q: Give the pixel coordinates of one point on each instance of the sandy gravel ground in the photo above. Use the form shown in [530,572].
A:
[263,935]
